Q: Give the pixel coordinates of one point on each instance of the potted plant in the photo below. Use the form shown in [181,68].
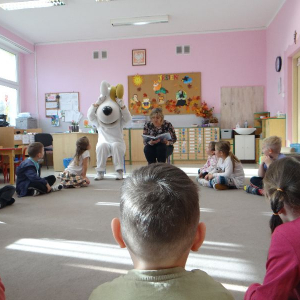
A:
[205,112]
[213,121]
[75,126]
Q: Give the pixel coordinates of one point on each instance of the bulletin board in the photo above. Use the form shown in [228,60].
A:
[176,93]
[64,105]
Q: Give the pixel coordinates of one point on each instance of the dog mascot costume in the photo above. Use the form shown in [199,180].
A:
[110,115]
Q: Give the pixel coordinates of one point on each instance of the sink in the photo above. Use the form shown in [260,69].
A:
[244,130]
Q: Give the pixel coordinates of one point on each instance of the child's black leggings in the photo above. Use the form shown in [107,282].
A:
[40,186]
[7,192]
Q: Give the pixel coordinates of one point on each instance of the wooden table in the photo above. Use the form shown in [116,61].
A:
[11,152]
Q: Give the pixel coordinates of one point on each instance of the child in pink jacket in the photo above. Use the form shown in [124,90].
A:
[211,162]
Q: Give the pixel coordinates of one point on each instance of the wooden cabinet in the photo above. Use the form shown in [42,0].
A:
[245,147]
[195,138]
[181,147]
[7,136]
[137,146]
[258,119]
[231,142]
[126,137]
[191,143]
[274,126]
[258,149]
[210,134]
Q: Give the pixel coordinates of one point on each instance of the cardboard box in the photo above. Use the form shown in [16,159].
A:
[26,123]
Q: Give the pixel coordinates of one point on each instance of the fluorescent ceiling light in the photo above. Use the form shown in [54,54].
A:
[140,20]
[31,4]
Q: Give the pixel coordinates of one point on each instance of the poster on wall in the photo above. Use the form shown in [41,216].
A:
[175,93]
[64,106]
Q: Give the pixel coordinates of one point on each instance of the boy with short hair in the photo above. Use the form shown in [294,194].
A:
[159,224]
[271,148]
[29,182]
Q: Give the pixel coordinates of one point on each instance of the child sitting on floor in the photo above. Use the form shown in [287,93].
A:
[271,148]
[75,174]
[6,196]
[29,182]
[2,291]
[159,224]
[229,173]
[211,162]
[282,188]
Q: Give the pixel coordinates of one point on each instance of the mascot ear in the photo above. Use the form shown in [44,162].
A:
[104,88]
[113,93]
[120,91]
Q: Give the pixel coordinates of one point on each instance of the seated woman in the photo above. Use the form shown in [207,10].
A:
[158,150]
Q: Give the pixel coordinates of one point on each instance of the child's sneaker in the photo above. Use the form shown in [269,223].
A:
[219,186]
[56,188]
[11,201]
[99,176]
[251,190]
[203,182]
[119,175]
[36,193]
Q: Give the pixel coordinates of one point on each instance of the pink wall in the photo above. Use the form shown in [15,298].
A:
[280,42]
[224,59]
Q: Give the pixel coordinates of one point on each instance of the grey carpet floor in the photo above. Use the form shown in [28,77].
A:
[59,246]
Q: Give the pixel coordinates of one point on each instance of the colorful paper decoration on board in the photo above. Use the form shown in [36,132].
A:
[178,93]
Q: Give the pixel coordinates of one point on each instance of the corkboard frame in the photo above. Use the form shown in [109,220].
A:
[175,93]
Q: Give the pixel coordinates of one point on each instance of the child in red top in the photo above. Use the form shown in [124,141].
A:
[2,290]
[282,279]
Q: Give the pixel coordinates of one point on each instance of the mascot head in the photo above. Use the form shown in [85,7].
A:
[108,113]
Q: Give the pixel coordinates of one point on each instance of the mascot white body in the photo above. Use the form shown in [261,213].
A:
[109,115]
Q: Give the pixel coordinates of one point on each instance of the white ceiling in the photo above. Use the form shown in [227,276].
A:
[88,20]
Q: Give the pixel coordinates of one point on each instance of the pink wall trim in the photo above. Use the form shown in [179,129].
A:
[16,39]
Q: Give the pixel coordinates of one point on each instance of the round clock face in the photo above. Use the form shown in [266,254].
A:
[278,64]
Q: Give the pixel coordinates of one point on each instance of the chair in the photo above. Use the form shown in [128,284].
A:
[5,166]
[47,141]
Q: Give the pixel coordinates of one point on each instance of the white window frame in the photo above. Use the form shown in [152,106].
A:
[9,83]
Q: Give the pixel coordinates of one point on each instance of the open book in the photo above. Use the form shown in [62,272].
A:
[163,136]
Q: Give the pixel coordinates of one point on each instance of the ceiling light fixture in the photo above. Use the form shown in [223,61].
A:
[31,4]
[140,20]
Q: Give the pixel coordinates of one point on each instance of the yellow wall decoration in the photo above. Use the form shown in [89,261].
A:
[176,93]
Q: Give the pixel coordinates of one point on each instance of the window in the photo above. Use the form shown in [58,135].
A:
[9,85]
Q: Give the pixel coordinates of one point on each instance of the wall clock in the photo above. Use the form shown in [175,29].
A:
[278,63]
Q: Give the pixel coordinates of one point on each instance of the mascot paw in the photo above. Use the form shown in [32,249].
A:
[100,100]
[119,175]
[120,102]
[99,176]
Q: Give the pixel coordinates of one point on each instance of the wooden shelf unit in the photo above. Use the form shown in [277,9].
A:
[274,126]
[258,120]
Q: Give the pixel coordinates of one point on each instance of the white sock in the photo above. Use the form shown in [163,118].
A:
[56,188]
